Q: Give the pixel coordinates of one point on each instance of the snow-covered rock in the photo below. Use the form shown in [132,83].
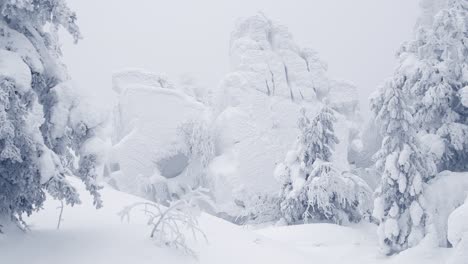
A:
[254,111]
[444,194]
[269,60]
[258,104]
[458,234]
[146,146]
[457,224]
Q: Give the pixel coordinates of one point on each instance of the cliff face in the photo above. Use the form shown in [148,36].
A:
[258,103]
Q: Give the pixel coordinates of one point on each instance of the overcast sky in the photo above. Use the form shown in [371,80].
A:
[357,38]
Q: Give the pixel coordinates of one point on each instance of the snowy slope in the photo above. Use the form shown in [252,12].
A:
[90,236]
[332,244]
[100,237]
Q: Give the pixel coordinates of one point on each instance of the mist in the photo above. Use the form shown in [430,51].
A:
[357,39]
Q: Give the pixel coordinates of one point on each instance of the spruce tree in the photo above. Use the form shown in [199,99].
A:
[38,139]
[400,204]
[313,189]
[316,140]
[435,65]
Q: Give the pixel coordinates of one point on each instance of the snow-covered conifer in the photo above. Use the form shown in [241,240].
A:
[294,172]
[335,197]
[435,66]
[400,204]
[40,129]
[312,188]
[199,139]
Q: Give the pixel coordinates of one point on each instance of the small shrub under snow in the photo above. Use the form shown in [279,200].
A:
[169,225]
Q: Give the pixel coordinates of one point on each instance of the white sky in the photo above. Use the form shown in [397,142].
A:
[357,38]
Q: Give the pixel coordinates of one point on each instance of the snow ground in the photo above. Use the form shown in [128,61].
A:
[89,236]
[329,243]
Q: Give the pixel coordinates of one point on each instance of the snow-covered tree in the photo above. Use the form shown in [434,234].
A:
[336,197]
[41,129]
[435,66]
[400,204]
[199,138]
[313,189]
[316,140]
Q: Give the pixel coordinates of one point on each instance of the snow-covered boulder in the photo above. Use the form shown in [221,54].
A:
[457,224]
[147,146]
[444,194]
[458,234]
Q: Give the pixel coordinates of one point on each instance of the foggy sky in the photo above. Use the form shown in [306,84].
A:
[356,38]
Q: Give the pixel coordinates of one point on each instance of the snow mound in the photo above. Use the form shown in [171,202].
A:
[457,227]
[458,234]
[443,195]
[356,244]
[88,235]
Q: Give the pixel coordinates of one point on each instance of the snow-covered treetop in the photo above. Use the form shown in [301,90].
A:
[428,10]
[318,136]
[391,111]
[39,13]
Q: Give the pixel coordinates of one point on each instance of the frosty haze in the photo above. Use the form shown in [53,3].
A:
[358,39]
